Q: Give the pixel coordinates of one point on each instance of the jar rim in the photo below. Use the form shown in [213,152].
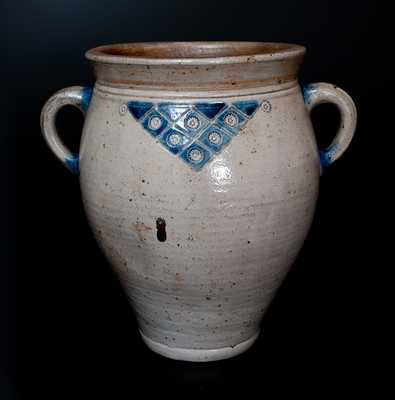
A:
[193,53]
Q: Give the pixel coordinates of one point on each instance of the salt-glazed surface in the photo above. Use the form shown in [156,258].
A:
[199,173]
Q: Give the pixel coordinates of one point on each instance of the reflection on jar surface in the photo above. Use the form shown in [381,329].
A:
[220,175]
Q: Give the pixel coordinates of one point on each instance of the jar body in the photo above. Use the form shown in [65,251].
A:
[200,253]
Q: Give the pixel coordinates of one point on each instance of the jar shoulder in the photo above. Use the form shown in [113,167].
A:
[259,136]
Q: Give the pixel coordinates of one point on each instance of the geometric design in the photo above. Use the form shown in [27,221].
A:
[195,132]
[266,106]
[196,156]
[210,110]
[192,122]
[215,138]
[173,111]
[154,123]
[232,119]
[174,140]
[247,107]
[139,108]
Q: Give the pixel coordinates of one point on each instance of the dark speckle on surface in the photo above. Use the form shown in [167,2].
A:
[161,229]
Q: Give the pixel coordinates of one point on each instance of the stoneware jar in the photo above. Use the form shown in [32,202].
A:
[199,172]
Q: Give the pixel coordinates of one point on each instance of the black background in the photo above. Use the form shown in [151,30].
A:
[77,337]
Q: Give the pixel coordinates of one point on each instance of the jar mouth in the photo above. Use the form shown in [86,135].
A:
[193,53]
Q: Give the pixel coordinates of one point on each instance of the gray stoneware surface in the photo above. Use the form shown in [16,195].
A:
[200,244]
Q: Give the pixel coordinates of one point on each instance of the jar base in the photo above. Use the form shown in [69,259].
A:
[199,355]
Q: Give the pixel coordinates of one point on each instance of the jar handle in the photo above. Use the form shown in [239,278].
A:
[319,93]
[77,96]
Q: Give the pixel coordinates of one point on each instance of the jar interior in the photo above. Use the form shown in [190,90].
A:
[174,50]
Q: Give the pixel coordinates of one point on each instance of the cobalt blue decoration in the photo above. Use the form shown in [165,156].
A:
[194,132]
[210,110]
[86,96]
[174,140]
[139,108]
[73,163]
[155,123]
[247,107]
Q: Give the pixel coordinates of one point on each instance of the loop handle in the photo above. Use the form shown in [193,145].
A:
[77,96]
[319,93]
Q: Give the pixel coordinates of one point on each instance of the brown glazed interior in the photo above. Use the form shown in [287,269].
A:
[196,65]
[174,50]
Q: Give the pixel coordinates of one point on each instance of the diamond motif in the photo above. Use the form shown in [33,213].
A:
[232,119]
[173,111]
[174,140]
[210,110]
[247,107]
[194,132]
[215,138]
[196,156]
[192,123]
[154,123]
[139,108]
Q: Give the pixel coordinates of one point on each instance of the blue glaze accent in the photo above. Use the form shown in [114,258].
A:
[86,96]
[173,111]
[210,110]
[217,146]
[241,120]
[166,137]
[73,163]
[201,128]
[308,90]
[247,107]
[326,156]
[182,123]
[187,157]
[139,108]
[154,131]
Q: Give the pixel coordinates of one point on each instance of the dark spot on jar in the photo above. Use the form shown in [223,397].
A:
[161,229]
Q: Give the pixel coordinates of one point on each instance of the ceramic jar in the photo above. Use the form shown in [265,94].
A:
[199,172]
